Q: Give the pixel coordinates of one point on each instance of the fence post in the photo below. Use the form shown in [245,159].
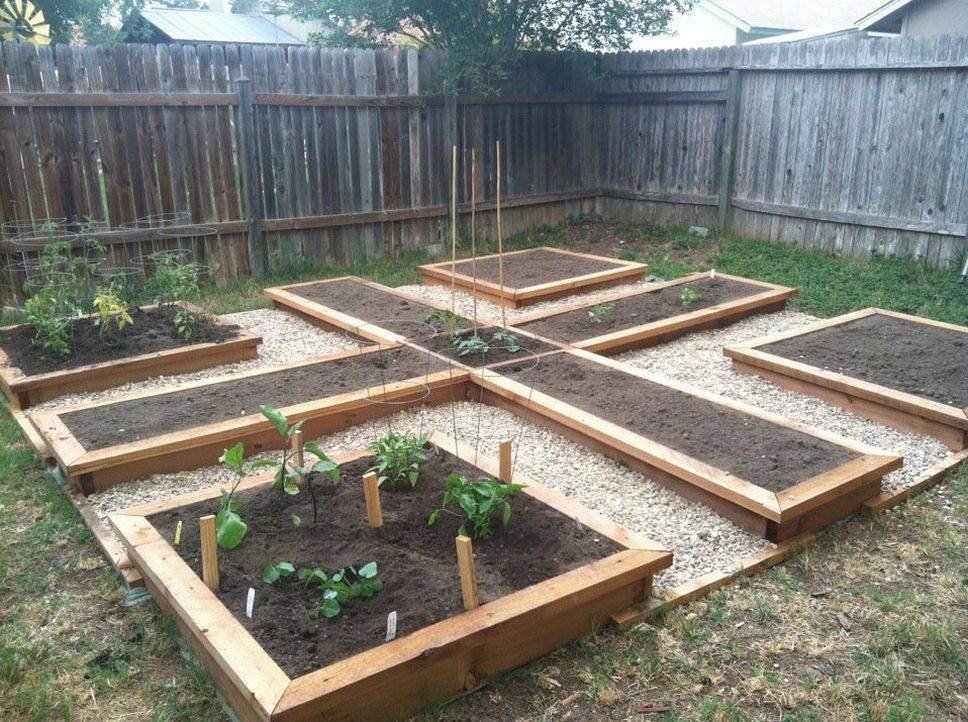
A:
[734,84]
[250,178]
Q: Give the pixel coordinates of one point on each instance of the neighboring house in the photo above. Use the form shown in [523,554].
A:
[177,25]
[712,23]
[923,18]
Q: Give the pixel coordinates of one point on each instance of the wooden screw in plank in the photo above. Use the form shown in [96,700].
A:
[468,573]
[297,448]
[504,462]
[374,510]
[206,526]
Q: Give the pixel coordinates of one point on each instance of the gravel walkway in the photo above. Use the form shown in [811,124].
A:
[700,540]
[285,337]
[698,359]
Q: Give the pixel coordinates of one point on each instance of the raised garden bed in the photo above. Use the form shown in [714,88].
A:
[184,427]
[533,275]
[148,347]
[900,370]
[636,318]
[362,308]
[775,477]
[557,567]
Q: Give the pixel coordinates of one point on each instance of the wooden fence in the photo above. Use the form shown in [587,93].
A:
[852,146]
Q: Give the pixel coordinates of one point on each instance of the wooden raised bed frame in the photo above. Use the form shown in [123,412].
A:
[873,401]
[199,446]
[402,677]
[23,391]
[807,506]
[771,298]
[624,272]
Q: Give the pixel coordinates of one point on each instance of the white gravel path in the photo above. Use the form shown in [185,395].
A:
[285,337]
[701,540]
[698,359]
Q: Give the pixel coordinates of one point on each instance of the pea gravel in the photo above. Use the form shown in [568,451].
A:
[285,337]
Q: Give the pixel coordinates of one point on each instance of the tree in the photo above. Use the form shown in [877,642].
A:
[482,35]
[95,21]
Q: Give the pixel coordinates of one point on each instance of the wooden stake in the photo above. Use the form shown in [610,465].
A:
[453,237]
[206,526]
[468,573]
[374,510]
[297,448]
[500,238]
[504,462]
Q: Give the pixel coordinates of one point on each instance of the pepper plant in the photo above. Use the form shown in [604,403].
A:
[399,458]
[344,585]
[478,501]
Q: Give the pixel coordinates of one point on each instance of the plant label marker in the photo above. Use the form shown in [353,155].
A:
[391,626]
[712,274]
[297,448]
[249,602]
[504,462]
[178,530]
[206,526]
[468,573]
[374,510]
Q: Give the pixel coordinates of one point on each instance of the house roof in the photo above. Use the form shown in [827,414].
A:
[206,26]
[800,36]
[790,15]
[885,17]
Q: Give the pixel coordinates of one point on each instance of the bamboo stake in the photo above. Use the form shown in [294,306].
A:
[468,573]
[500,238]
[453,238]
[206,527]
[374,510]
[297,448]
[504,462]
[473,234]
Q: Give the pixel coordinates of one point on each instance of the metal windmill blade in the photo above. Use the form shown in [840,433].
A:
[23,22]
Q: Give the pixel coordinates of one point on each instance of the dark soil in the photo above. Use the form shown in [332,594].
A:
[372,305]
[533,267]
[151,331]
[639,309]
[902,355]
[126,421]
[498,352]
[416,563]
[752,449]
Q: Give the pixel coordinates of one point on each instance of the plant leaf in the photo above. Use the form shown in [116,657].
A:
[230,530]
[276,417]
[233,459]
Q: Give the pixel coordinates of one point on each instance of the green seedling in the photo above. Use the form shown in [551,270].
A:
[689,295]
[478,501]
[274,572]
[110,308]
[508,340]
[230,530]
[399,458]
[344,585]
[600,312]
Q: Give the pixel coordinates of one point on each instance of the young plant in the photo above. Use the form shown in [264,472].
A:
[288,473]
[52,329]
[230,530]
[173,280]
[343,585]
[109,308]
[399,458]
[478,501]
[600,312]
[443,317]
[467,345]
[689,295]
[185,323]
[508,340]
[274,572]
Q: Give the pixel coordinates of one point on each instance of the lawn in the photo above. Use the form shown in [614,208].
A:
[867,624]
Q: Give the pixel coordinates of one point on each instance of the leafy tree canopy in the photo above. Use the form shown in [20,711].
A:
[481,35]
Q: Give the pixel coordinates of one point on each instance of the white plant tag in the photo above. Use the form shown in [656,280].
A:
[178,529]
[712,274]
[249,602]
[391,626]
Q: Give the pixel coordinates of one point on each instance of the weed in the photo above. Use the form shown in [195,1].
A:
[399,457]
[478,501]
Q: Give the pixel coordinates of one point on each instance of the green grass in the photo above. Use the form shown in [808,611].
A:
[766,648]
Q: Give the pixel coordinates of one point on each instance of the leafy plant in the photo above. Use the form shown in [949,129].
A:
[467,345]
[52,330]
[508,340]
[185,323]
[478,501]
[399,457]
[230,530]
[110,308]
[690,295]
[288,474]
[600,312]
[344,585]
[443,317]
[274,572]
[173,280]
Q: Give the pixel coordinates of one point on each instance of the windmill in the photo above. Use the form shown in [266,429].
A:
[23,22]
